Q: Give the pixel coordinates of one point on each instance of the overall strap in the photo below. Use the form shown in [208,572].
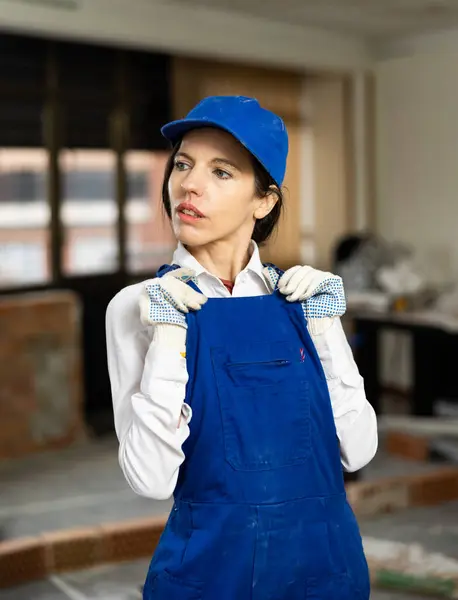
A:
[191,281]
[164,269]
[274,273]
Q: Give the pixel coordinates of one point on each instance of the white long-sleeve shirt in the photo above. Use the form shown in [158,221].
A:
[148,382]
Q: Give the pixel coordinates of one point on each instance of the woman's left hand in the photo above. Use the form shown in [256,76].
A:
[322,293]
[301,282]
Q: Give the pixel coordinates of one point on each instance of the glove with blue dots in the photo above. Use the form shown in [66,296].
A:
[167,299]
[322,294]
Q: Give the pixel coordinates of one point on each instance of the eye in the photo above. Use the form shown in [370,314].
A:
[180,165]
[222,174]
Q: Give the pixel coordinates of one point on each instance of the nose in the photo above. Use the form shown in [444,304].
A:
[193,182]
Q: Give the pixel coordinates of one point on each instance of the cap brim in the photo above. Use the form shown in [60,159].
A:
[174,131]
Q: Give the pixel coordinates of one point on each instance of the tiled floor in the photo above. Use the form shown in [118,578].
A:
[84,486]
[80,486]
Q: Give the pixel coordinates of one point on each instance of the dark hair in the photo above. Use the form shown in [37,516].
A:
[264,184]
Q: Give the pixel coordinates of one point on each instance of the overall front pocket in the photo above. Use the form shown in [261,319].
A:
[265,407]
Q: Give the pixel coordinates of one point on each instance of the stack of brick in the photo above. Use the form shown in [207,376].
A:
[29,559]
[41,404]
[397,493]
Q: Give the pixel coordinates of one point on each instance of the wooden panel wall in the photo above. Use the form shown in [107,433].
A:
[330,101]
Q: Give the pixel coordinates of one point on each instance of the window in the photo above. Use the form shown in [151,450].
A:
[24,217]
[22,186]
[88,185]
[150,241]
[89,211]
[22,262]
[93,254]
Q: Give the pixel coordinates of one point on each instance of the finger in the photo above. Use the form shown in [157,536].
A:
[301,292]
[309,285]
[286,277]
[176,301]
[176,286]
[176,292]
[193,296]
[194,300]
[295,280]
[181,306]
[196,304]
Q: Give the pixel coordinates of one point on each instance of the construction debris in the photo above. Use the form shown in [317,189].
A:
[410,568]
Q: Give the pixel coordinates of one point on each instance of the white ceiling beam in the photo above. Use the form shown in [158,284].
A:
[193,31]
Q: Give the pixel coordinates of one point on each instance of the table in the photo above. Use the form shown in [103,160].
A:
[434,360]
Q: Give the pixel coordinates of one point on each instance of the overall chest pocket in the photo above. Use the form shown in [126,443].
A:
[265,405]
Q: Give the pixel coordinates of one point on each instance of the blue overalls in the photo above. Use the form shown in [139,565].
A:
[260,510]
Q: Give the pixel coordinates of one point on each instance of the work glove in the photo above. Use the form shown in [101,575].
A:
[164,303]
[322,294]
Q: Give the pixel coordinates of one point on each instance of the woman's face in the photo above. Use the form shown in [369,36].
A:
[212,190]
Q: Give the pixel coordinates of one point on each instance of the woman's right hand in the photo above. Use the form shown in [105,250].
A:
[165,300]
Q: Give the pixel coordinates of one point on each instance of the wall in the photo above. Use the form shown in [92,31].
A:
[337,162]
[417,150]
[183,29]
[327,97]
[416,163]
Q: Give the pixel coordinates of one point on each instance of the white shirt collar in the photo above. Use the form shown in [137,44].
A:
[183,258]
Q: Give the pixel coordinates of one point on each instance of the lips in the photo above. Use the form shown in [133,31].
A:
[189,210]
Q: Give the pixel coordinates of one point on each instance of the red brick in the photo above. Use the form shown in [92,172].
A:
[74,549]
[396,493]
[382,496]
[407,445]
[130,540]
[434,488]
[21,561]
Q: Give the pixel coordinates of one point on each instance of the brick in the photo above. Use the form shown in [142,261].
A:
[397,493]
[130,540]
[74,549]
[21,561]
[41,396]
[407,445]
[373,498]
[434,488]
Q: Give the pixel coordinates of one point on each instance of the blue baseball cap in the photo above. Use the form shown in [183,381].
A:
[262,132]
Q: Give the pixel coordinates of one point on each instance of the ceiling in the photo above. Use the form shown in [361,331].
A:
[376,18]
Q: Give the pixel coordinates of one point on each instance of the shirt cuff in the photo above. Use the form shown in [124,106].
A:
[318,326]
[170,336]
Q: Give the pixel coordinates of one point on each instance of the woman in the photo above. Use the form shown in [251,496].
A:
[234,387]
